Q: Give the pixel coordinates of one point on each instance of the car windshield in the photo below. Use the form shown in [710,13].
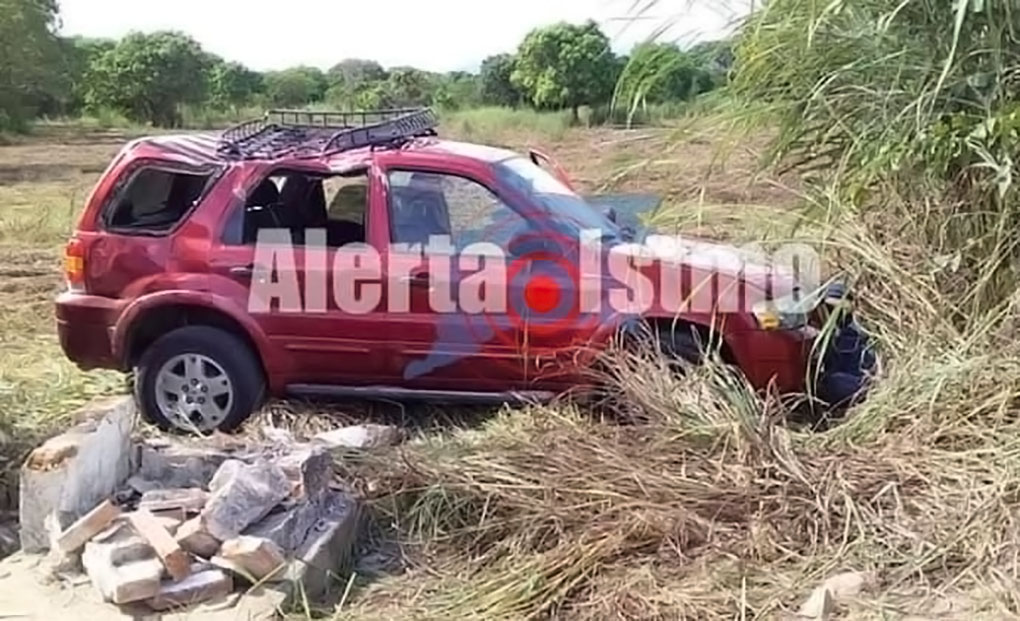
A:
[551,195]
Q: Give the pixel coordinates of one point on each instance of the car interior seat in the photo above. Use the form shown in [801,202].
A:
[420,210]
[261,210]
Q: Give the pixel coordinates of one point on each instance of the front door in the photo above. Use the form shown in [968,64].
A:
[449,302]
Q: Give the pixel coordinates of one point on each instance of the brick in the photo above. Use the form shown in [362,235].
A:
[171,519]
[196,588]
[88,526]
[191,499]
[255,557]
[193,537]
[176,560]
[117,545]
[121,565]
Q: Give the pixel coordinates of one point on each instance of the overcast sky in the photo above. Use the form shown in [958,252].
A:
[438,35]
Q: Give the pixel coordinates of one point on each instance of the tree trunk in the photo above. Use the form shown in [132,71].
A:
[575,117]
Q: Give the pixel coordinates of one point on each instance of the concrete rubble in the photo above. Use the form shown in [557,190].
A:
[162,525]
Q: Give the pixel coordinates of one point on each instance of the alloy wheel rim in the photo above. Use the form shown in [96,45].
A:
[194,392]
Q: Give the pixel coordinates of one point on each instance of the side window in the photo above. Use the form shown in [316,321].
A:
[300,201]
[155,199]
[423,204]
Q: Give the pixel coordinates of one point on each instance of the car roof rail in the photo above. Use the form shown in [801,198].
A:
[302,133]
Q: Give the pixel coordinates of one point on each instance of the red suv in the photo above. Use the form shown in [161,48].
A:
[357,254]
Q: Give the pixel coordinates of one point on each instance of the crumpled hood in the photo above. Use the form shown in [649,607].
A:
[750,265]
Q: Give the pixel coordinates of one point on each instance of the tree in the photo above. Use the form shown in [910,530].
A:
[497,87]
[149,76]
[456,90]
[295,86]
[78,55]
[353,72]
[407,86]
[565,65]
[29,52]
[232,84]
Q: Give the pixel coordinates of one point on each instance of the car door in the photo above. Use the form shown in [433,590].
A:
[323,341]
[445,235]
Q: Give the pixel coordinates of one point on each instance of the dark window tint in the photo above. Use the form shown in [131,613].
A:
[156,199]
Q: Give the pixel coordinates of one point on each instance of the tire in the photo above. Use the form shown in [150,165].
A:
[231,383]
[683,342]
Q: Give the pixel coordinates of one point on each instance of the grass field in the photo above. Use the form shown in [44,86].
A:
[699,502]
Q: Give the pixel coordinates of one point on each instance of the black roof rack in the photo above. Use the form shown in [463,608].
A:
[300,133]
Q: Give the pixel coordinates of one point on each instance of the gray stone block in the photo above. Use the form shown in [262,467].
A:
[326,552]
[73,472]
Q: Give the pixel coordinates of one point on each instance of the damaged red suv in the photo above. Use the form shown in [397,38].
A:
[358,254]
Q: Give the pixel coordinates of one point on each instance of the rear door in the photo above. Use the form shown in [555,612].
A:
[284,236]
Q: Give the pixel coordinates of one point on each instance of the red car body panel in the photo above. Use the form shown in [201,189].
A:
[127,276]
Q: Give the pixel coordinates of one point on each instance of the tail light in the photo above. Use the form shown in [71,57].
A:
[74,265]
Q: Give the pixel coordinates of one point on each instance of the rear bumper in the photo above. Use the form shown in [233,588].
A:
[85,325]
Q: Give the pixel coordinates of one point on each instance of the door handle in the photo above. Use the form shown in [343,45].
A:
[243,270]
[418,279]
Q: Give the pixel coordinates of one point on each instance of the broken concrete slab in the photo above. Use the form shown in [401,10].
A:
[209,584]
[191,499]
[174,465]
[367,436]
[310,468]
[76,470]
[254,558]
[242,495]
[327,551]
[288,527]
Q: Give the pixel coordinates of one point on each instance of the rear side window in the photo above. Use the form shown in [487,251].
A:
[155,199]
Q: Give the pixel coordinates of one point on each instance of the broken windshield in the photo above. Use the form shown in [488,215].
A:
[548,193]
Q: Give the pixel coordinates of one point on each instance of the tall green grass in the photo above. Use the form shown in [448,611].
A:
[911,108]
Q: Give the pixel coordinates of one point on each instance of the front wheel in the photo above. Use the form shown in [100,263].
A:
[198,379]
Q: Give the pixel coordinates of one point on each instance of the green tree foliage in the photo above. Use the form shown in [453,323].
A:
[565,65]
[29,53]
[497,89]
[78,54]
[354,72]
[148,76]
[295,86]
[232,84]
[407,86]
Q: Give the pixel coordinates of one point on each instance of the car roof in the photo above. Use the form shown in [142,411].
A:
[204,149]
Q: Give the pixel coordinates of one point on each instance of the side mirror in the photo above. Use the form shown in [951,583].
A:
[609,213]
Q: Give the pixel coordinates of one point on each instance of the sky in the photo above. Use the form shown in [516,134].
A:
[437,35]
